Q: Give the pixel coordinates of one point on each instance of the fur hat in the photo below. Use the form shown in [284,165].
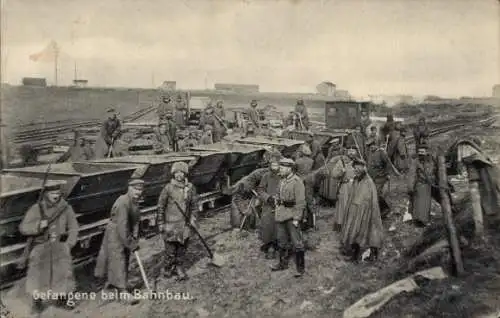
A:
[286,162]
[180,166]
[275,156]
[305,150]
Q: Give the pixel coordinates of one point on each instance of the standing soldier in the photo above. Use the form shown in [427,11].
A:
[176,206]
[172,128]
[421,132]
[180,112]
[289,214]
[362,226]
[253,115]
[219,109]
[422,178]
[80,151]
[316,151]
[402,153]
[110,132]
[52,224]
[268,191]
[373,136]
[120,240]
[303,161]
[301,115]
[162,140]
[388,126]
[379,168]
[164,107]
[208,117]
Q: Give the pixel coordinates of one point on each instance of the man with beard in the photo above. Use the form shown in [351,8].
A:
[268,190]
[422,185]
[316,151]
[379,169]
[362,227]
[289,213]
[110,132]
[52,224]
[175,207]
[208,117]
[161,138]
[421,132]
[121,238]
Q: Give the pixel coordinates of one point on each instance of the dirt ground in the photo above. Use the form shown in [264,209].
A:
[245,286]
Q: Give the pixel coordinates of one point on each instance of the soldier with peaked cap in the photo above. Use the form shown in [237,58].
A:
[176,211]
[120,240]
[110,132]
[316,151]
[289,213]
[52,224]
[401,155]
[180,112]
[162,139]
[268,190]
[208,117]
[303,162]
[362,225]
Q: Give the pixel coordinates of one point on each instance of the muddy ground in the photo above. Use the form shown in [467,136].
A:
[245,286]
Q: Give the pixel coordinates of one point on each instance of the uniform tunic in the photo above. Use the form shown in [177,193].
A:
[164,108]
[110,132]
[362,222]
[121,236]
[78,153]
[218,130]
[180,113]
[421,134]
[253,116]
[379,168]
[346,183]
[291,207]
[304,166]
[301,112]
[162,142]
[422,178]
[268,187]
[50,265]
[317,154]
[176,228]
[401,160]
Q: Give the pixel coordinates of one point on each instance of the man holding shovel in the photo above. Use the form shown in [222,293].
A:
[175,219]
[110,132]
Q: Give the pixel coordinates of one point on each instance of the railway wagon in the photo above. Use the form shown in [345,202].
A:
[243,159]
[287,147]
[324,138]
[346,114]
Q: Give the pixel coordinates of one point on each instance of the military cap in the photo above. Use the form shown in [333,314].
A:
[53,185]
[286,162]
[275,156]
[110,110]
[180,167]
[300,101]
[305,150]
[136,183]
[253,102]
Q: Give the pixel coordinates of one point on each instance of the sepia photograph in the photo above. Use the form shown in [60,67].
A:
[250,158]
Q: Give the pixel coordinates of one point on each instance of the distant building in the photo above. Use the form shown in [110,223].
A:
[326,88]
[169,85]
[237,88]
[80,83]
[34,81]
[496,91]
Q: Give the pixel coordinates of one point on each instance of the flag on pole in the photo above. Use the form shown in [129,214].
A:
[48,54]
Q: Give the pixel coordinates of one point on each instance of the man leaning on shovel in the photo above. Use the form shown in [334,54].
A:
[175,219]
[110,132]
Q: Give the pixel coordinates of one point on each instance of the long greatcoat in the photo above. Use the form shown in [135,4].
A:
[162,143]
[401,157]
[110,132]
[362,222]
[50,265]
[121,235]
[218,130]
[422,178]
[180,113]
[346,184]
[268,186]
[176,227]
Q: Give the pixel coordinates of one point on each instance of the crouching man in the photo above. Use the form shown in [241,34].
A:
[289,212]
[120,240]
[52,225]
[176,217]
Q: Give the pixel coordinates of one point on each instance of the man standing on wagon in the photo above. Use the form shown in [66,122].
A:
[110,132]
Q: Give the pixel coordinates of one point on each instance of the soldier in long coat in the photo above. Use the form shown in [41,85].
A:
[422,183]
[303,161]
[219,109]
[268,189]
[301,115]
[162,141]
[316,152]
[421,132]
[176,208]
[121,238]
[208,117]
[52,224]
[110,132]
[379,169]
[362,226]
[253,114]
[180,112]
[80,151]
[164,107]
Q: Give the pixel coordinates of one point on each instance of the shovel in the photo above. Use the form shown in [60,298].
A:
[143,272]
[216,260]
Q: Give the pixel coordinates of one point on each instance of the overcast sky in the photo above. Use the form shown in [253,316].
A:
[445,47]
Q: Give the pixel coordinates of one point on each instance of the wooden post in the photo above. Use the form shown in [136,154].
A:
[446,208]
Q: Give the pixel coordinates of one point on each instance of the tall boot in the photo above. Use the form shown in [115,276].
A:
[283,261]
[300,263]
[355,253]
